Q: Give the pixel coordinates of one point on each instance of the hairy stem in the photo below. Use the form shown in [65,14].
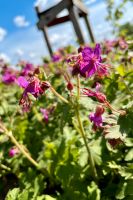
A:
[22,150]
[78,87]
[58,95]
[82,132]
[5,167]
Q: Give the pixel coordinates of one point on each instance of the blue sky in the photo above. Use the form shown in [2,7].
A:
[20,39]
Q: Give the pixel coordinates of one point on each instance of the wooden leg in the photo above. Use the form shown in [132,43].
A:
[73,14]
[89,29]
[47,41]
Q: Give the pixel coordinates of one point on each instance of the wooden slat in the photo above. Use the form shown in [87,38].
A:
[45,33]
[89,28]
[73,13]
[61,20]
[50,14]
[80,6]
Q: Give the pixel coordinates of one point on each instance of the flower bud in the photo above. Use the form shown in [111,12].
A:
[99,110]
[13,151]
[70,86]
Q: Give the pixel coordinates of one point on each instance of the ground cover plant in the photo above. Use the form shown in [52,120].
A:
[66,126]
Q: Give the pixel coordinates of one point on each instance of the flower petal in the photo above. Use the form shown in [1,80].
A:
[22,81]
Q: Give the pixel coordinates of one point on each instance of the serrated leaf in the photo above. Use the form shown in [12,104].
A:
[94,192]
[129,155]
[48,197]
[121,191]
[13,194]
[24,195]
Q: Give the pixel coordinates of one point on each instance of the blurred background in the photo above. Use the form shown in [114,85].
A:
[20,38]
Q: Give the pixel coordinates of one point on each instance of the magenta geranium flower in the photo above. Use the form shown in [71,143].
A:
[33,86]
[108,45]
[13,151]
[27,69]
[88,62]
[8,76]
[45,113]
[98,95]
[122,43]
[91,60]
[56,57]
[97,118]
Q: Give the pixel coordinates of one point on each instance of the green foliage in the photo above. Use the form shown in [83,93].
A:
[59,148]
[116,12]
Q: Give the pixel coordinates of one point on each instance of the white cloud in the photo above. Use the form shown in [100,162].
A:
[20,21]
[41,4]
[32,55]
[4,57]
[16,44]
[3,33]
[90,2]
[19,52]
[45,4]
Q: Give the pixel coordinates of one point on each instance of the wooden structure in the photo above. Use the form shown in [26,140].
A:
[75,9]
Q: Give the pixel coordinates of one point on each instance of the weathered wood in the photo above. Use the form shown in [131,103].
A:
[49,18]
[47,40]
[73,13]
[50,14]
[59,20]
[80,6]
[89,28]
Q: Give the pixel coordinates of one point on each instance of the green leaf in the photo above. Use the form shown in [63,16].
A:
[94,192]
[129,155]
[24,195]
[129,188]
[13,194]
[120,194]
[47,197]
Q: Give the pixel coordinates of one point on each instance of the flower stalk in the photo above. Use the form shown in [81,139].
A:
[78,87]
[16,143]
[58,95]
[82,132]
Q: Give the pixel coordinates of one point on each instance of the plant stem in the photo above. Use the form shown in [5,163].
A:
[5,167]
[58,95]
[26,154]
[78,87]
[22,150]
[82,132]
[92,164]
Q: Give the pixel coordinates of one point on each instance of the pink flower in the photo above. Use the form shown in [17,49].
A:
[123,44]
[96,117]
[33,86]
[88,62]
[98,95]
[108,45]
[8,76]
[13,151]
[45,113]
[91,60]
[27,69]
[56,57]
